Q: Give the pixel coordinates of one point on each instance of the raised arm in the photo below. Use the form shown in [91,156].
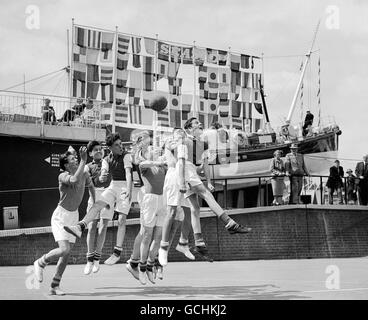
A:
[182,156]
[79,174]
[104,171]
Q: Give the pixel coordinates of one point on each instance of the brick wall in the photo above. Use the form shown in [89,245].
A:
[293,232]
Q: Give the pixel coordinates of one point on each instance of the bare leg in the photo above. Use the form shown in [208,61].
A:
[155,244]
[62,263]
[121,230]
[91,236]
[92,214]
[137,245]
[145,244]
[167,229]
[186,225]
[102,229]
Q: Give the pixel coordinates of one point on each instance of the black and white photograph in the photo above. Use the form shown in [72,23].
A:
[181,151]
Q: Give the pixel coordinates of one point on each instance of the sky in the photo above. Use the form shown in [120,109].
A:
[281,29]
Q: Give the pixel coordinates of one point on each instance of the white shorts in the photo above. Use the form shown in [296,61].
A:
[171,191]
[60,218]
[114,194]
[192,178]
[99,192]
[153,210]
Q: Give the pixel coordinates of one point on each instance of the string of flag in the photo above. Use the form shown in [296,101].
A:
[122,70]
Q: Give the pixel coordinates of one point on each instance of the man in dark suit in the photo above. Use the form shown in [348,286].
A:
[308,121]
[361,172]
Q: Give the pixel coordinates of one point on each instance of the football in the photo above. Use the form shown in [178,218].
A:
[158,103]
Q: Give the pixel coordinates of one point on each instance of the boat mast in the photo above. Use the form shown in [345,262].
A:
[306,61]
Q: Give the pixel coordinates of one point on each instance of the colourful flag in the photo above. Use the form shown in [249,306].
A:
[224,75]
[175,54]
[222,58]
[235,108]
[148,65]
[213,106]
[237,123]
[163,118]
[202,74]
[174,102]
[147,96]
[93,73]
[149,45]
[79,54]
[187,55]
[94,39]
[173,69]
[244,61]
[247,110]
[199,56]
[235,78]
[107,93]
[234,62]
[175,118]
[106,75]
[245,95]
[135,79]
[79,72]
[80,37]
[122,61]
[186,103]
[79,88]
[107,41]
[213,90]
[122,78]
[203,105]
[148,81]
[121,94]
[175,85]
[106,110]
[212,56]
[136,61]
[212,74]
[135,114]
[163,51]
[121,114]
[136,45]
[163,68]
[134,96]
[224,91]
[203,90]
[93,89]
[93,56]
[123,44]
[224,108]
[245,76]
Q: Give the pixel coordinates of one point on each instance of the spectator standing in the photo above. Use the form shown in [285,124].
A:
[334,182]
[295,168]
[361,171]
[278,172]
[351,187]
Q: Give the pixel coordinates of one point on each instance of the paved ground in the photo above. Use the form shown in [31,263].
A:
[272,279]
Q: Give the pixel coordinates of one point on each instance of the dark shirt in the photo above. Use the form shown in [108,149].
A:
[153,179]
[308,120]
[117,165]
[49,114]
[79,108]
[94,169]
[335,178]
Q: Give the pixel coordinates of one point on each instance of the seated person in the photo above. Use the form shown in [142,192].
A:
[68,116]
[48,112]
[79,107]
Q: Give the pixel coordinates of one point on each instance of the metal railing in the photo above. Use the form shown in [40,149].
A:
[315,185]
[29,108]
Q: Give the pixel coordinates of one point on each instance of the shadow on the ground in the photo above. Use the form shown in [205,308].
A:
[265,292]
